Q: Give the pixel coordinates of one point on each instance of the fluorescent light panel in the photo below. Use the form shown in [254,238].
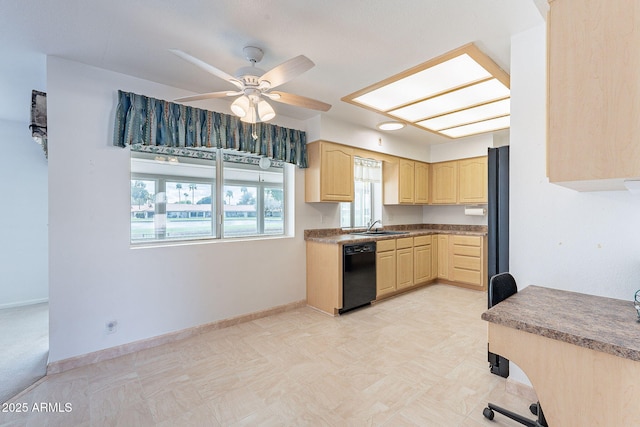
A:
[424,84]
[470,115]
[480,127]
[453,101]
[458,90]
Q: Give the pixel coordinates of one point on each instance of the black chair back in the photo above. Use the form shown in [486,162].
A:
[501,287]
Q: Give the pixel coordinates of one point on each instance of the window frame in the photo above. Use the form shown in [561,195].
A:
[217,184]
[375,206]
[161,186]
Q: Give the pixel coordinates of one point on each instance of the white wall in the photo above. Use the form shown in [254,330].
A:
[473,146]
[585,242]
[96,276]
[329,129]
[23,217]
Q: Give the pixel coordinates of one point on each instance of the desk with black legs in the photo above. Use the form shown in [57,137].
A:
[580,352]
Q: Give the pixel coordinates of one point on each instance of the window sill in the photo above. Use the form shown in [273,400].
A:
[174,243]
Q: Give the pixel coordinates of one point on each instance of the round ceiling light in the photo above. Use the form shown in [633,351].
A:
[391,125]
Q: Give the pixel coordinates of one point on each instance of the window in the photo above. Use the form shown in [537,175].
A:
[253,199]
[223,195]
[367,204]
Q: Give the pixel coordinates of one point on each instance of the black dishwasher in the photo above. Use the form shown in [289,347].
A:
[358,275]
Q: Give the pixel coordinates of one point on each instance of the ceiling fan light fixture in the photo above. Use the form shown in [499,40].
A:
[251,116]
[391,125]
[265,111]
[240,107]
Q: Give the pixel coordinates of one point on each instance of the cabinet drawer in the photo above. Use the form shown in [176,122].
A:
[466,262]
[421,240]
[466,276]
[405,242]
[467,240]
[385,245]
[472,251]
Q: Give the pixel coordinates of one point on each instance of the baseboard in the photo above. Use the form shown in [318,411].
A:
[519,389]
[23,303]
[121,350]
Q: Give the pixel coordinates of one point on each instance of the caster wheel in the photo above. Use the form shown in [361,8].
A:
[534,408]
[488,413]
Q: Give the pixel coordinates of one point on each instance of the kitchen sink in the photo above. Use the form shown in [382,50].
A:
[379,233]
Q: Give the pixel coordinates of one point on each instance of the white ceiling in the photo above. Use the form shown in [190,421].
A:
[354,43]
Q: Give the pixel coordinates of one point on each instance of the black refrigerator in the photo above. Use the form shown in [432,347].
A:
[498,230]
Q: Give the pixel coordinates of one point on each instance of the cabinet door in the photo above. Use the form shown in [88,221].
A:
[422,264]
[336,173]
[404,265]
[443,257]
[385,272]
[434,256]
[472,180]
[421,194]
[406,181]
[444,182]
[593,91]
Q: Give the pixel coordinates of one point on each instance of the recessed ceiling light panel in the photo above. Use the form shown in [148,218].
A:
[470,115]
[479,127]
[455,90]
[453,101]
[457,72]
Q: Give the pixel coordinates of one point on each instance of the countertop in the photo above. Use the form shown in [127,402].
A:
[340,236]
[598,323]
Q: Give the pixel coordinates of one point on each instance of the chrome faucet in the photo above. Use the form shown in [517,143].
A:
[374,223]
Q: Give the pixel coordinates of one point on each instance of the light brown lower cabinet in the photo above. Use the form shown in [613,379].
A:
[422,259]
[404,263]
[468,260]
[401,264]
[443,256]
[385,267]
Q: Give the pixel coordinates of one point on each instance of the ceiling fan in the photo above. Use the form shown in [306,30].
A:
[255,86]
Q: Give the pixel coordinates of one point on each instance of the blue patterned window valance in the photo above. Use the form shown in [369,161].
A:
[141,120]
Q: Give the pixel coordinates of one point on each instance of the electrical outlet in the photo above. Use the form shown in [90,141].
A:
[111,327]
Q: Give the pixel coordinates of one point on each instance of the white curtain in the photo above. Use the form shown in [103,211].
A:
[367,170]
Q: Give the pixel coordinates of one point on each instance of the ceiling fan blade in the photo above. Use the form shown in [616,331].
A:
[298,101]
[209,95]
[287,70]
[207,67]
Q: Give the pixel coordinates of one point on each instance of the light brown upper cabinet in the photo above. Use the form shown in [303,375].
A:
[459,181]
[472,180]
[444,182]
[421,193]
[593,135]
[329,177]
[399,181]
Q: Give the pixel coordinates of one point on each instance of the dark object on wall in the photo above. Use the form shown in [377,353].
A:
[498,232]
[38,124]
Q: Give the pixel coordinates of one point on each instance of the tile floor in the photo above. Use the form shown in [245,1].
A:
[415,360]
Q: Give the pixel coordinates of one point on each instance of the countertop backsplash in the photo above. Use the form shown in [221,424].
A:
[325,232]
